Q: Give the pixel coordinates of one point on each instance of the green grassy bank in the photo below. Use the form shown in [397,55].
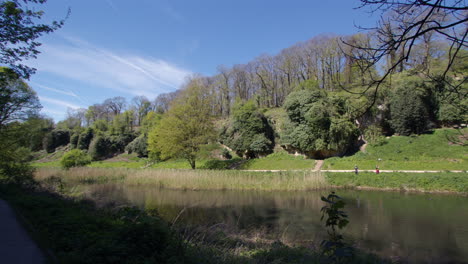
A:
[444,149]
[275,161]
[279,161]
[427,182]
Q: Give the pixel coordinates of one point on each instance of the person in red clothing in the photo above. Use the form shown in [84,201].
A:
[377,171]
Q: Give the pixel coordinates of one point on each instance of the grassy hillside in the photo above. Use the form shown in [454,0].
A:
[279,161]
[275,161]
[444,149]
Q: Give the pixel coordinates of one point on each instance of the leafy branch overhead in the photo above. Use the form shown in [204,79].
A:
[406,25]
[19,31]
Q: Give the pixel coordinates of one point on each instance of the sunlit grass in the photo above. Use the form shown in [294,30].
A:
[425,152]
[279,161]
[50,164]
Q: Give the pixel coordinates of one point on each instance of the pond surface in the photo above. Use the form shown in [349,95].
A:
[421,228]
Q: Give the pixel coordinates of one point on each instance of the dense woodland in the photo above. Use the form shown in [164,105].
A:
[312,98]
[319,98]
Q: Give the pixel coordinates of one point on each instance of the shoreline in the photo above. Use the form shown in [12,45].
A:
[405,190]
[198,180]
[331,187]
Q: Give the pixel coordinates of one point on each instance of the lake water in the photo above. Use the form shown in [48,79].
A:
[421,228]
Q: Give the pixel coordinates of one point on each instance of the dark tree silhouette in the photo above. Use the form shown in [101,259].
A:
[17,100]
[19,30]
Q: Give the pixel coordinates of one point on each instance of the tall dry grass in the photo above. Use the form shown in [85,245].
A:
[193,179]
[83,174]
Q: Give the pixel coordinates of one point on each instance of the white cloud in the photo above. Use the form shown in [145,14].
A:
[58,102]
[70,93]
[59,91]
[56,90]
[131,74]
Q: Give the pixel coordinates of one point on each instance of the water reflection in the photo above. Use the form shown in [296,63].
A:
[422,228]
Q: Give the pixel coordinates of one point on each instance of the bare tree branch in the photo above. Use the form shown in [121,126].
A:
[402,26]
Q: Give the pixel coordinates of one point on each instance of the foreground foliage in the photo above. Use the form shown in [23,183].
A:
[335,247]
[19,32]
[96,236]
[129,235]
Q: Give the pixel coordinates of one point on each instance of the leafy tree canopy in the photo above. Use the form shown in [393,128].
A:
[249,133]
[185,127]
[408,110]
[17,100]
[316,125]
[19,30]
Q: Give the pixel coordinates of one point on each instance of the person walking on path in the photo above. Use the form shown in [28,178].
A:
[377,171]
[356,169]
[15,244]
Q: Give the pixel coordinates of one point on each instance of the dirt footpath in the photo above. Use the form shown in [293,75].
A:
[16,246]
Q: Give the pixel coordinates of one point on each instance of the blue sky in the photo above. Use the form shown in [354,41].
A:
[126,48]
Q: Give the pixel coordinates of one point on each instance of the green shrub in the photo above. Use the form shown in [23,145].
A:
[373,135]
[249,133]
[48,143]
[451,114]
[74,140]
[85,139]
[75,158]
[318,125]
[118,142]
[154,155]
[101,125]
[14,166]
[226,154]
[139,146]
[56,138]
[218,164]
[61,137]
[408,109]
[99,148]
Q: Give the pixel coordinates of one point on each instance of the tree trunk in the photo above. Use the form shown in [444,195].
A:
[192,163]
